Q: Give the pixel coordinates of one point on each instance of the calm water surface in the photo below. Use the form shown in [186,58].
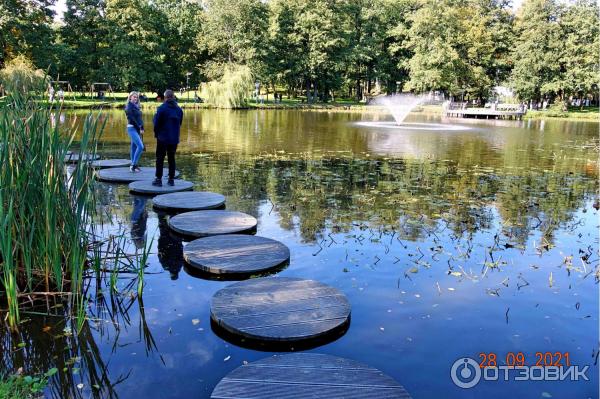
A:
[448,244]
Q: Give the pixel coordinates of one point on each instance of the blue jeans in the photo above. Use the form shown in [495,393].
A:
[136,145]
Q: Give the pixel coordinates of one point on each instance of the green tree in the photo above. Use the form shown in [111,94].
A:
[321,35]
[283,60]
[83,40]
[581,50]
[183,26]
[455,47]
[25,28]
[537,49]
[234,32]
[369,57]
[138,50]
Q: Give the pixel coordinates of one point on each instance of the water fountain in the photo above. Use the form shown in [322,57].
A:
[400,106]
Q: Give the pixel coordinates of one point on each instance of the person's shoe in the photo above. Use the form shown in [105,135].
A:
[157,182]
[132,168]
[137,169]
[171,182]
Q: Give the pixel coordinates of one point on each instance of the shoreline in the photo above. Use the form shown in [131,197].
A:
[588,115]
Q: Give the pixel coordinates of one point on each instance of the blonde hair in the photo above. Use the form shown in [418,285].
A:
[133,93]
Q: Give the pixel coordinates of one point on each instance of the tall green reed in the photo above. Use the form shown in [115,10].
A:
[46,210]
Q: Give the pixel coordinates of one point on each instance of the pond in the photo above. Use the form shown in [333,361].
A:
[448,244]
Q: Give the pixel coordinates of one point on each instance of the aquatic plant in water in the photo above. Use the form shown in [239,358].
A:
[45,208]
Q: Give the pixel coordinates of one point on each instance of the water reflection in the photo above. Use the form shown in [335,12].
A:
[139,218]
[170,248]
[490,232]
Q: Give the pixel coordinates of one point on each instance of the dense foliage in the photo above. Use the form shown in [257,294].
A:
[44,212]
[318,48]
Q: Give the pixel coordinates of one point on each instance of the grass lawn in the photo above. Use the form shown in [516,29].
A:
[575,113]
[186,100]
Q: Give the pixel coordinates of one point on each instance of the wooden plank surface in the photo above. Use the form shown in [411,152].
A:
[307,375]
[146,187]
[212,222]
[124,175]
[188,201]
[111,163]
[73,157]
[236,254]
[280,309]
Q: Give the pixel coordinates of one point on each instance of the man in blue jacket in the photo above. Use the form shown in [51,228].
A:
[167,122]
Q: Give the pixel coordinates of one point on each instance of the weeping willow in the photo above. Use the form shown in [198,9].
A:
[19,75]
[231,90]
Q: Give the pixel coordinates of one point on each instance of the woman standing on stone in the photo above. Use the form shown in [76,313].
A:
[135,129]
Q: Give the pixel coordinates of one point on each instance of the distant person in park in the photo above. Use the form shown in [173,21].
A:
[167,123]
[135,129]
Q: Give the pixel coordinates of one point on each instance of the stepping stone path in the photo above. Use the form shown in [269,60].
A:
[73,157]
[124,175]
[280,309]
[307,375]
[236,254]
[270,309]
[146,187]
[188,201]
[210,223]
[110,163]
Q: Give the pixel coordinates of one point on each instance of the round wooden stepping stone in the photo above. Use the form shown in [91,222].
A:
[210,223]
[188,201]
[280,309]
[110,163]
[146,187]
[124,175]
[236,254]
[307,375]
[73,157]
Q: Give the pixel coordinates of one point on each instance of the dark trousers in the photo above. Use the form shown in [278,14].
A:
[163,149]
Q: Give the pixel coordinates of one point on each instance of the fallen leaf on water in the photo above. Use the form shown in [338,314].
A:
[546,395]
[450,289]
[227,358]
[80,386]
[195,321]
